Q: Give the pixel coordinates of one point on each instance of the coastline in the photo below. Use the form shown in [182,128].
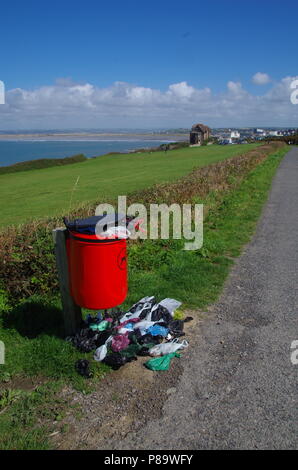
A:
[77,136]
[79,146]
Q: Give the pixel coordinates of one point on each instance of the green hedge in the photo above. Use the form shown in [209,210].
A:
[41,163]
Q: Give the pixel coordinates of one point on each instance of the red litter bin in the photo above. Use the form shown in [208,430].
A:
[97,265]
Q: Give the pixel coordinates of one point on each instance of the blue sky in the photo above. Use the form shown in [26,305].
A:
[145,45]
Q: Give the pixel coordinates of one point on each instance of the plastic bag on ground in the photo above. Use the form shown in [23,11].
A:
[93,319]
[119,342]
[85,340]
[159,312]
[176,327]
[140,309]
[82,367]
[116,360]
[103,325]
[100,353]
[157,330]
[167,348]
[109,340]
[164,310]
[161,363]
[127,326]
[102,337]
[144,351]
[170,304]
[128,322]
[143,326]
[131,351]
[125,330]
[148,338]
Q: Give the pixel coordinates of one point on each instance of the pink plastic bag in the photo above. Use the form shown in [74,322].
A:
[120,342]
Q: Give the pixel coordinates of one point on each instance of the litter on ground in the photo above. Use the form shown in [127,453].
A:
[147,329]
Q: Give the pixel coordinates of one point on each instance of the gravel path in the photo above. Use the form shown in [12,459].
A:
[239,388]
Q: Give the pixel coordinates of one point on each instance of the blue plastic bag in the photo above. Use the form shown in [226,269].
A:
[157,330]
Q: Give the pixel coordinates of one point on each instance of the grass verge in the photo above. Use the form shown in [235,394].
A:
[160,268]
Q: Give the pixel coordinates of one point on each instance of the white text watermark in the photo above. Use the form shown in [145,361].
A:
[294,353]
[2,353]
[159,221]
[2,92]
[294,94]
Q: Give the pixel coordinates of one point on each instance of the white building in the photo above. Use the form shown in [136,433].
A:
[275,133]
[235,135]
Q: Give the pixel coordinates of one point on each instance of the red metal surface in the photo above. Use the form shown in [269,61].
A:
[97,271]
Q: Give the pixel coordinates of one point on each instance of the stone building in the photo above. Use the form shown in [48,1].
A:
[198,134]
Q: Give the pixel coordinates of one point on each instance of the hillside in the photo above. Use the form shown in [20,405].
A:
[47,192]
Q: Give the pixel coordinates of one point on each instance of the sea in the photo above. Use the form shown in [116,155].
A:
[15,150]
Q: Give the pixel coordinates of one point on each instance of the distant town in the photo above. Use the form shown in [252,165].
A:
[241,135]
[199,134]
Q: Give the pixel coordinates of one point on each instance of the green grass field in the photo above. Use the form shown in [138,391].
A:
[47,192]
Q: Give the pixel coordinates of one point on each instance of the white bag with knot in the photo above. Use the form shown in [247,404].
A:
[100,353]
[167,348]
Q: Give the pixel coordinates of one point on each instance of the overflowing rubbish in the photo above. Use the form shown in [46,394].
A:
[147,329]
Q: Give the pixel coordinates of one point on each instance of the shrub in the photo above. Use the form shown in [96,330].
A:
[42,163]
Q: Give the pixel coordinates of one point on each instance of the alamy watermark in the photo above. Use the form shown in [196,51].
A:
[294,353]
[294,94]
[2,353]
[158,221]
[2,92]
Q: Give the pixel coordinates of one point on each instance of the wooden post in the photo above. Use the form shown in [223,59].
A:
[72,314]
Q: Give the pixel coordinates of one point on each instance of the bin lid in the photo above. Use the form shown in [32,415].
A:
[87,226]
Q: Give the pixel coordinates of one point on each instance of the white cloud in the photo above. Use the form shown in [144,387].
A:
[234,87]
[70,104]
[181,90]
[260,78]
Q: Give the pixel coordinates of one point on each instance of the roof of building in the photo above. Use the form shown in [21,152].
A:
[200,127]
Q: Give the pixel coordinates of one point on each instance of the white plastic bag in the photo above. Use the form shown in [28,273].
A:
[167,348]
[144,303]
[143,326]
[170,304]
[119,232]
[100,353]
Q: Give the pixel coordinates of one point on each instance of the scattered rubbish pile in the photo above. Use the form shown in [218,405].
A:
[147,329]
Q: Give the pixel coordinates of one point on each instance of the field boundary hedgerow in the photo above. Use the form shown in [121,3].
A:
[41,163]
